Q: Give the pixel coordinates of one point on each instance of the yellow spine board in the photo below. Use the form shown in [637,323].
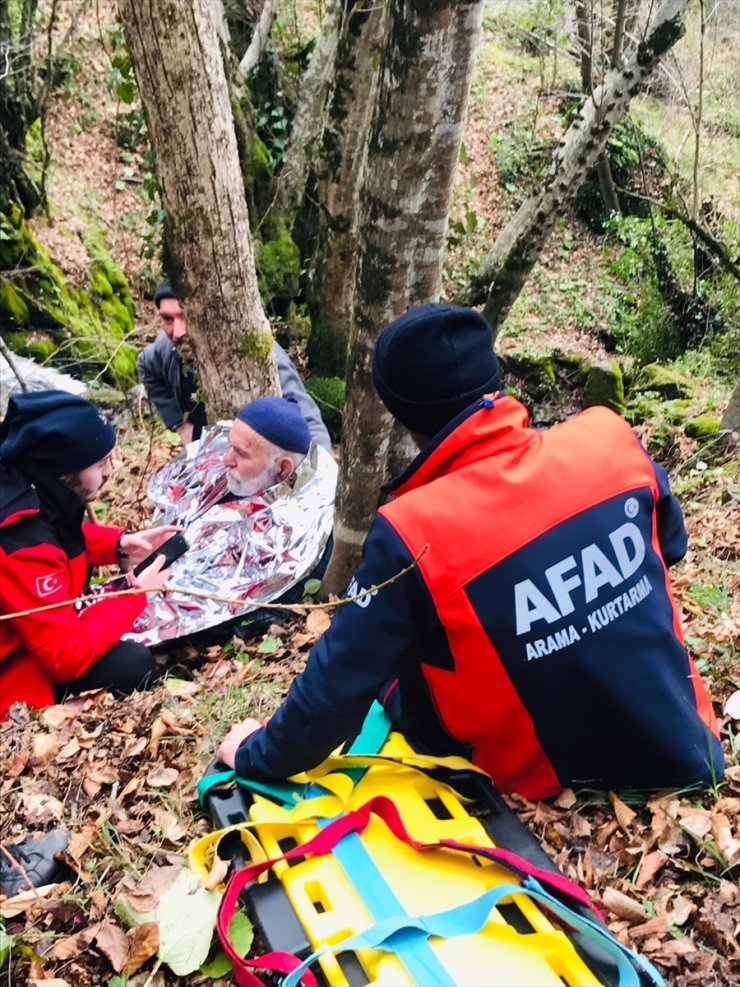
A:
[331,909]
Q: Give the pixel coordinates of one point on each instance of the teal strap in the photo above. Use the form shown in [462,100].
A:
[371,738]
[469,918]
[284,792]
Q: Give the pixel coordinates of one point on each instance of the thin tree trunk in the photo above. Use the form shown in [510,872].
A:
[414,146]
[505,270]
[259,38]
[584,20]
[340,171]
[180,72]
[730,425]
[308,120]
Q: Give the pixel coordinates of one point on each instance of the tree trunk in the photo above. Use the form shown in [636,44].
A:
[339,172]
[413,149]
[175,52]
[504,272]
[308,119]
[730,425]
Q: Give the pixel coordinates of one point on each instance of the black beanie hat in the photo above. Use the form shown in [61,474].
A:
[432,362]
[162,291]
[55,430]
[280,421]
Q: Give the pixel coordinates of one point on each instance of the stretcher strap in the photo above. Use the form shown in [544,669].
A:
[470,918]
[356,821]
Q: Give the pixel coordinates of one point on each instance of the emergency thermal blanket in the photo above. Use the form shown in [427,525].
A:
[251,548]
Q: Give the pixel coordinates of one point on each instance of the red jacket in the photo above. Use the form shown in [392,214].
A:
[548,575]
[536,634]
[46,552]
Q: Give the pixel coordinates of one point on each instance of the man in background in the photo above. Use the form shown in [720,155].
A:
[167,370]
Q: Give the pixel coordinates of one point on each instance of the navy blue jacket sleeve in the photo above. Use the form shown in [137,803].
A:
[347,667]
[291,386]
[671,528]
[153,374]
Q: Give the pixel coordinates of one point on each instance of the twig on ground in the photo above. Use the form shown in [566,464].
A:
[299,608]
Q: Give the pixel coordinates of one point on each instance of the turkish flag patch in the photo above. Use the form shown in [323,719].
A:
[47,585]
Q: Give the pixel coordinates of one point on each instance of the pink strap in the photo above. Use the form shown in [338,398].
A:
[326,839]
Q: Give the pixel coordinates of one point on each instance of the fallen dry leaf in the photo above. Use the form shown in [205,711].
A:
[143,944]
[217,873]
[45,747]
[317,622]
[69,946]
[566,800]
[649,867]
[161,777]
[112,942]
[622,905]
[625,815]
[173,829]
[42,808]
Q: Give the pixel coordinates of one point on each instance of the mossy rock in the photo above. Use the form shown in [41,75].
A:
[13,307]
[667,381]
[535,373]
[278,264]
[329,394]
[91,325]
[702,428]
[651,407]
[575,367]
[605,386]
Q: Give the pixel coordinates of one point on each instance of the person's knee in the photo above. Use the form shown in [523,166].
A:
[138,670]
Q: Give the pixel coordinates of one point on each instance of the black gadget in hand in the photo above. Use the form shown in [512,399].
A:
[172,549]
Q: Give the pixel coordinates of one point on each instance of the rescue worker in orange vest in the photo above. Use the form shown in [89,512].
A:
[537,635]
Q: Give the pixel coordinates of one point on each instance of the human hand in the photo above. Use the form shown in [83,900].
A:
[153,577]
[135,546]
[185,431]
[235,737]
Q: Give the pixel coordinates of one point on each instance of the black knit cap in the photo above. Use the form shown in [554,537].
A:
[432,362]
[162,291]
[54,430]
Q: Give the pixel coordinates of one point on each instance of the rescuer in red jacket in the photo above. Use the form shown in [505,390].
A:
[55,455]
[535,632]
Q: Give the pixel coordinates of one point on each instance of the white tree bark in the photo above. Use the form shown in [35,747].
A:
[505,270]
[414,146]
[180,72]
[340,169]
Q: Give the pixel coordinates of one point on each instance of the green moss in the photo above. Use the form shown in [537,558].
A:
[256,344]
[298,326]
[278,264]
[12,306]
[605,386]
[664,380]
[535,373]
[329,394]
[91,325]
[702,428]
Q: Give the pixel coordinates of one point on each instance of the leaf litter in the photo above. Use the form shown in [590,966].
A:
[120,775]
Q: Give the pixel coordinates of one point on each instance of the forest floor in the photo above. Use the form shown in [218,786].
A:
[121,775]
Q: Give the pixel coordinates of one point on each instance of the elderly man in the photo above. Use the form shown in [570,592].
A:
[167,371]
[256,502]
[55,455]
[537,633]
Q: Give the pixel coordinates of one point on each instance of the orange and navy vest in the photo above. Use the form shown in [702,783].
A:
[567,661]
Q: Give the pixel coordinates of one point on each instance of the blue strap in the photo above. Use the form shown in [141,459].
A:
[469,918]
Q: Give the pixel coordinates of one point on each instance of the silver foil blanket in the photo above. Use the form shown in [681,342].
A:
[256,547]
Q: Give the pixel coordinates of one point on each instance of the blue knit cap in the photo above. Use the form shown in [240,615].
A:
[433,362]
[55,430]
[280,421]
[162,291]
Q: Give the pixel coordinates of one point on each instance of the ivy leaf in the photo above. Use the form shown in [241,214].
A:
[269,644]
[241,936]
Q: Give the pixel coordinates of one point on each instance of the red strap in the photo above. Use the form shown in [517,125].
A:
[276,962]
[323,843]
